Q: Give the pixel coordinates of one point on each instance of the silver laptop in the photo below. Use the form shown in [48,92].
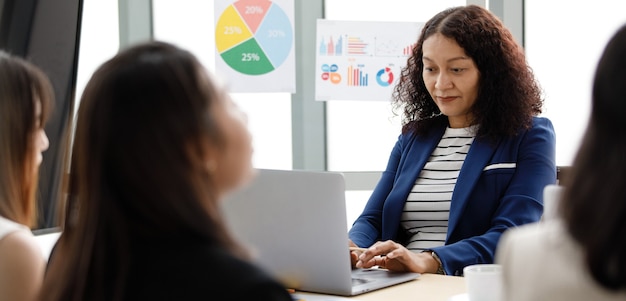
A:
[295,223]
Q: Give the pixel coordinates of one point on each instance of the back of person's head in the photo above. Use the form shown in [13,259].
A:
[142,136]
[594,202]
[143,169]
[25,101]
[508,94]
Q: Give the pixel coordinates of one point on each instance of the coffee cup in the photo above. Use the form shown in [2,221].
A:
[484,282]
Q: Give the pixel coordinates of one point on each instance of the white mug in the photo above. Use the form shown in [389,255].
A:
[484,282]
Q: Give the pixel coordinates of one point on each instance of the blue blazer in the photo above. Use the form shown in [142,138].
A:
[500,186]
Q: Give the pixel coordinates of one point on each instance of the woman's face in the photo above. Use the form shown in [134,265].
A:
[40,142]
[232,165]
[451,78]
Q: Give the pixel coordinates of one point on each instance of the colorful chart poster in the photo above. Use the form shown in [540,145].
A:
[255,45]
[361,60]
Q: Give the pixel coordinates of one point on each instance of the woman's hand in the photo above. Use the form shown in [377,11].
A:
[354,255]
[395,257]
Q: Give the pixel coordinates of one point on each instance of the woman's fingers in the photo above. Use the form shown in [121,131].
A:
[374,255]
[389,255]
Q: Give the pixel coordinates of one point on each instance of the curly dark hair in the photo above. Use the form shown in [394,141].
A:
[508,94]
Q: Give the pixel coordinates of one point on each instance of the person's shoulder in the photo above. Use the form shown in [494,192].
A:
[235,267]
[541,127]
[197,271]
[22,266]
[544,226]
[8,226]
[242,279]
[20,246]
[541,121]
[533,233]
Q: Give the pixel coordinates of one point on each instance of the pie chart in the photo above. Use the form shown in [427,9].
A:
[254,37]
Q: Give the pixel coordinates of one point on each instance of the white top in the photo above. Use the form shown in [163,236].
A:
[541,261]
[427,208]
[8,226]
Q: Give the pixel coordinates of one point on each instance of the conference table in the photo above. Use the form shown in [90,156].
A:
[428,287]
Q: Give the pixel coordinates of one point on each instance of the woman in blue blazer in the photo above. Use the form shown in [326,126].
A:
[467,93]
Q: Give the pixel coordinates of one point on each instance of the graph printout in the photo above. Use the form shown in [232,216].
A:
[255,45]
[361,60]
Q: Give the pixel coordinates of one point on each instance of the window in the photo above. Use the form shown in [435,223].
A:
[190,24]
[99,40]
[563,50]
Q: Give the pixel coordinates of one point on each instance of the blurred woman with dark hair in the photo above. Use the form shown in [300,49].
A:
[473,157]
[26,98]
[581,255]
[157,146]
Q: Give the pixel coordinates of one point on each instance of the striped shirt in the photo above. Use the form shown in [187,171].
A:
[427,208]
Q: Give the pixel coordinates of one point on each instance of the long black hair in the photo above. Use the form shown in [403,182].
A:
[138,169]
[22,85]
[594,201]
